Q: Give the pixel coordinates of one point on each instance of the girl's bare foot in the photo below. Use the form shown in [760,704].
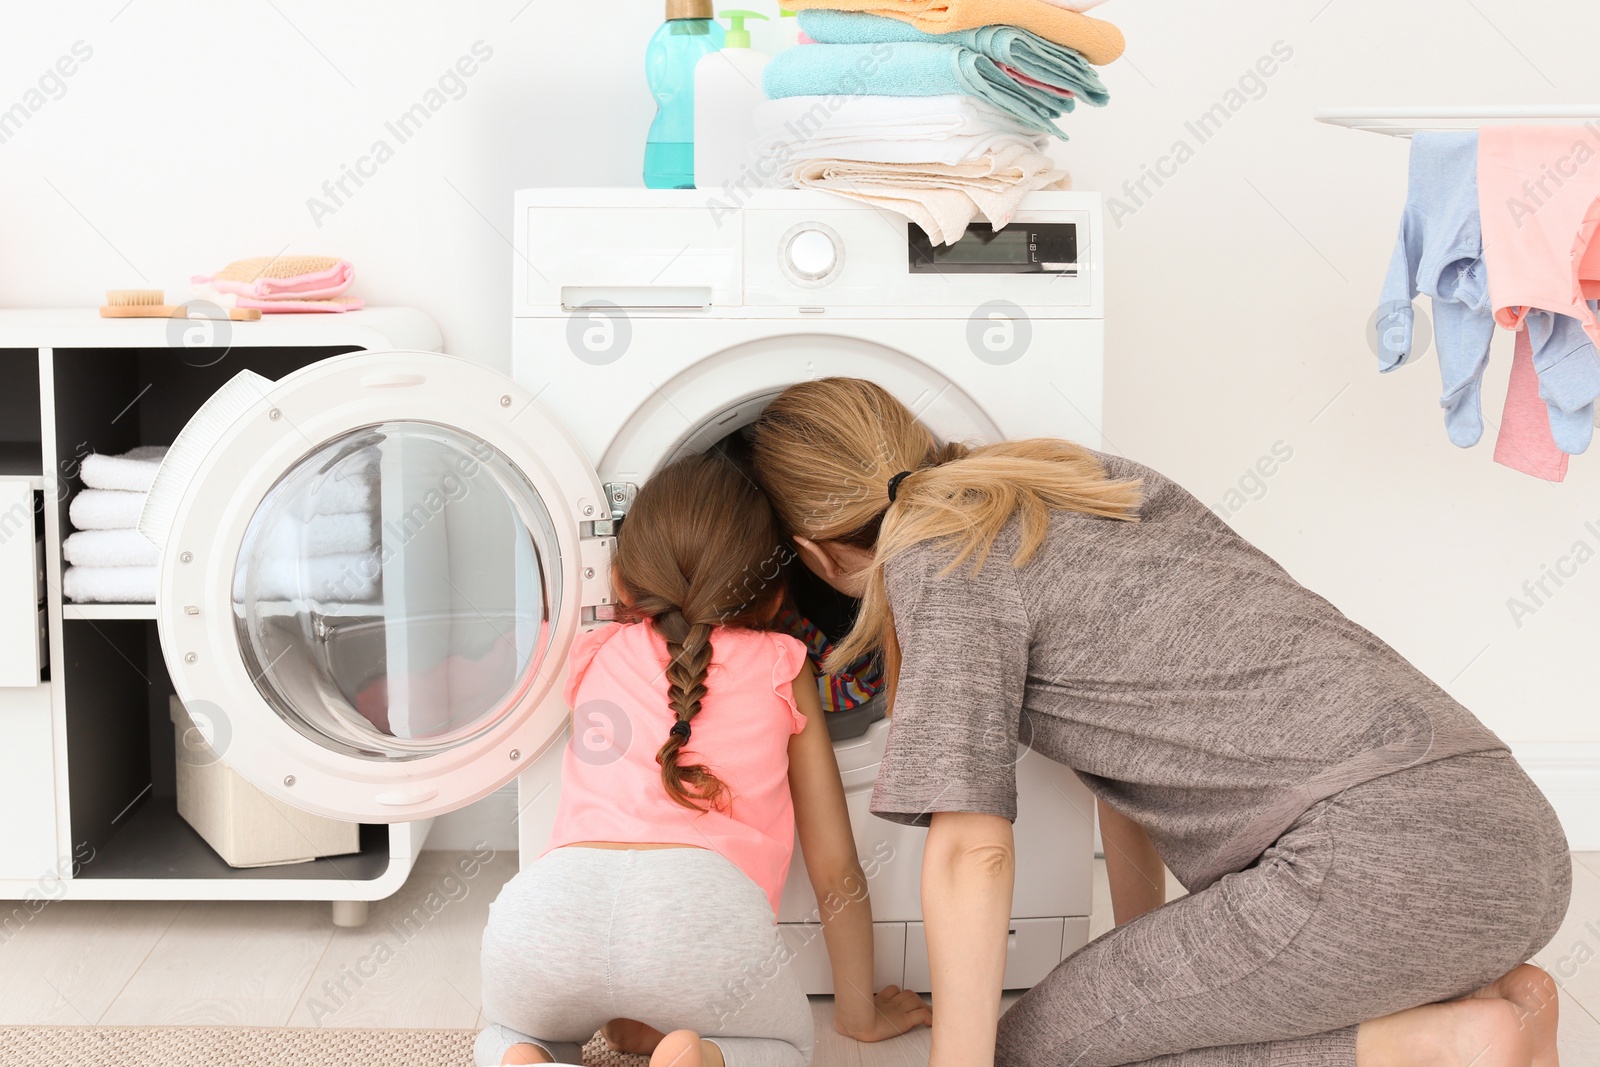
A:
[1473,1032]
[1537,1000]
[522,1052]
[631,1036]
[685,1048]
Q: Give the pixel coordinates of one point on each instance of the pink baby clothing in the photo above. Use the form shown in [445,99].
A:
[1525,443]
[1539,195]
[1539,198]
[610,782]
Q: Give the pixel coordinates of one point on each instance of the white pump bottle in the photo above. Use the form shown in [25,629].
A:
[727,90]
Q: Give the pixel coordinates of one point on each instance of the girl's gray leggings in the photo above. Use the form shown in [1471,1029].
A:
[677,938]
[1421,886]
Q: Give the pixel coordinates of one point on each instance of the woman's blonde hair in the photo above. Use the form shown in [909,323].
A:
[826,450]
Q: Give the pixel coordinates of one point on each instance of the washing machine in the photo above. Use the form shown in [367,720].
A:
[412,676]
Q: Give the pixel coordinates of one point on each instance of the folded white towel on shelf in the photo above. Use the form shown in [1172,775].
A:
[133,470]
[350,577]
[941,198]
[110,548]
[349,489]
[106,509]
[884,129]
[322,535]
[110,585]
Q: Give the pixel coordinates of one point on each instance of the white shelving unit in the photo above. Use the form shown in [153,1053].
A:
[86,754]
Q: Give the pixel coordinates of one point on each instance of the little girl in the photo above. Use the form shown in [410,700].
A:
[652,912]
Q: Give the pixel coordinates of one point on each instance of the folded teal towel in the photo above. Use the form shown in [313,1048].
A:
[905,69]
[1034,56]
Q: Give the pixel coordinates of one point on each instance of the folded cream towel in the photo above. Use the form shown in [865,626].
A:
[1099,41]
[106,509]
[110,585]
[942,199]
[132,471]
[110,548]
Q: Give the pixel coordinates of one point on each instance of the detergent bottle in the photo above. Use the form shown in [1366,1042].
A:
[727,90]
[688,35]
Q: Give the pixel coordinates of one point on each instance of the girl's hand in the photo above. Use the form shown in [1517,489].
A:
[895,1012]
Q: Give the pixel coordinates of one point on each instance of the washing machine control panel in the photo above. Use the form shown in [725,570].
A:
[1020,248]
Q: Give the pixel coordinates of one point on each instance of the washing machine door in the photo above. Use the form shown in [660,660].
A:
[371,573]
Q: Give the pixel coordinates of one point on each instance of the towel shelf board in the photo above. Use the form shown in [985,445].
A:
[1405,121]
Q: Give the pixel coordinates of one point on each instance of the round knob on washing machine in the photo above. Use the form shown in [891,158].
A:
[812,254]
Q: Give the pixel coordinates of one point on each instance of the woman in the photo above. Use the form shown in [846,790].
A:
[1368,867]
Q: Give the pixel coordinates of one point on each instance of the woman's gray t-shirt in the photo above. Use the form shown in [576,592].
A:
[1188,679]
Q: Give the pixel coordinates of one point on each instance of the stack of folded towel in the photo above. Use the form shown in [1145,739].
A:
[938,109]
[109,560]
[282,284]
[323,548]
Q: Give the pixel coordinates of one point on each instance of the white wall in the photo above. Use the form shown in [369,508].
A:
[1239,290]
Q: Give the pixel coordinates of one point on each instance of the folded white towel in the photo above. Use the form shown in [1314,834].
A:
[885,129]
[1075,5]
[322,535]
[106,509]
[110,585]
[133,471]
[110,548]
[351,488]
[351,577]
[942,199]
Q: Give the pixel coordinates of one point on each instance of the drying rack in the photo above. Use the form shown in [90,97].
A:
[1405,121]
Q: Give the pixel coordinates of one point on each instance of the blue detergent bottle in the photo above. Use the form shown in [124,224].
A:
[688,34]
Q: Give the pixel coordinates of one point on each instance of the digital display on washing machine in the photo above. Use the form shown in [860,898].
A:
[1021,248]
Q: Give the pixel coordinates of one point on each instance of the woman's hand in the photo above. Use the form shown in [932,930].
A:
[895,1011]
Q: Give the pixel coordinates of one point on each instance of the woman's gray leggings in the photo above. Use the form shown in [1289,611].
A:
[676,938]
[1417,887]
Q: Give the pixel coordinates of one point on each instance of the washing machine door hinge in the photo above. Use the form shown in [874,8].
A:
[620,496]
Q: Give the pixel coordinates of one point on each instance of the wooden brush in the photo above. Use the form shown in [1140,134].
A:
[152,304]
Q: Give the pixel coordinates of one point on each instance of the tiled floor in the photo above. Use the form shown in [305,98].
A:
[415,964]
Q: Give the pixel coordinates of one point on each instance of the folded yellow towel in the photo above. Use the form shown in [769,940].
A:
[1098,40]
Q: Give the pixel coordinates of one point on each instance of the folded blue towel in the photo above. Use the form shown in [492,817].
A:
[1034,56]
[905,69]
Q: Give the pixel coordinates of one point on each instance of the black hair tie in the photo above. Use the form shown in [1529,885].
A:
[680,729]
[894,484]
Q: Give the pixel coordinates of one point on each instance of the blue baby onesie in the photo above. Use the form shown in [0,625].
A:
[1440,253]
[1569,376]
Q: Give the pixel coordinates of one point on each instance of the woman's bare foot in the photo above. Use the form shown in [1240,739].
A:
[685,1048]
[1473,1032]
[1537,1000]
[522,1052]
[631,1036]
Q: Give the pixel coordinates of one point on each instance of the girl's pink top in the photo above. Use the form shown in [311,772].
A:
[610,782]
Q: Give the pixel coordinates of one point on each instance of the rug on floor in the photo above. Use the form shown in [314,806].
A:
[253,1046]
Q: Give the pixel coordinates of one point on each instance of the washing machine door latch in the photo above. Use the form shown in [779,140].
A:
[620,496]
